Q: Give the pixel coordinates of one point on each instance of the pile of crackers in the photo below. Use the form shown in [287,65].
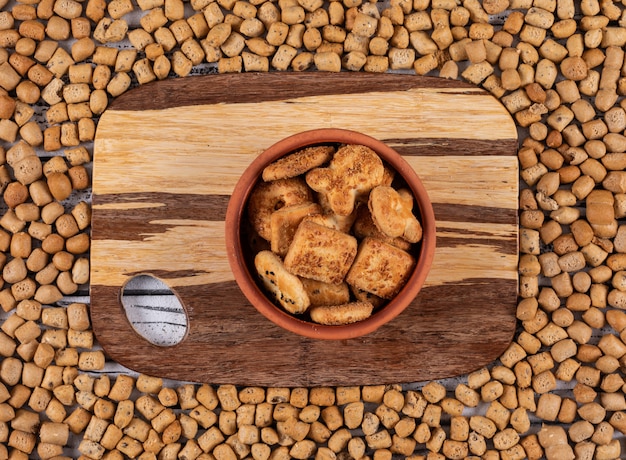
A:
[336,238]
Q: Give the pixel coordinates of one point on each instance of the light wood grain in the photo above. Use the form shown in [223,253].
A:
[136,135]
[165,166]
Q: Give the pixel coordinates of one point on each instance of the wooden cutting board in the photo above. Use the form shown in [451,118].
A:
[167,156]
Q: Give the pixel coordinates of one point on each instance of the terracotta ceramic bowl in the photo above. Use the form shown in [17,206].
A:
[241,259]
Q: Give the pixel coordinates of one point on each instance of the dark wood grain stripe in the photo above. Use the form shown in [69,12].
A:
[130,224]
[503,246]
[448,147]
[246,348]
[474,214]
[273,86]
[180,206]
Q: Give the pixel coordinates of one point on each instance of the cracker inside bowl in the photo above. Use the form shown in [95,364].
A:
[355,251]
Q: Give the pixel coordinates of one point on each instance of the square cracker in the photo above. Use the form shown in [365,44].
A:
[284,223]
[326,293]
[380,268]
[320,253]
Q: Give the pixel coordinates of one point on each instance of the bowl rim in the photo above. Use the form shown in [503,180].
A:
[243,276]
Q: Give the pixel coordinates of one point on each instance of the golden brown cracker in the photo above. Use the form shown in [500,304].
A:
[364,296]
[388,176]
[285,221]
[326,293]
[352,173]
[364,226]
[336,315]
[298,163]
[320,253]
[339,223]
[392,213]
[380,268]
[267,197]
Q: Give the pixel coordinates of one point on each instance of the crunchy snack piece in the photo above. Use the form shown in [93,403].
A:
[388,175]
[286,288]
[320,253]
[325,293]
[336,315]
[364,296]
[339,223]
[285,221]
[317,239]
[329,219]
[267,197]
[353,172]
[256,243]
[364,226]
[392,213]
[298,162]
[380,268]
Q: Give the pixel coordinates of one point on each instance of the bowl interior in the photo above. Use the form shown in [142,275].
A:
[241,255]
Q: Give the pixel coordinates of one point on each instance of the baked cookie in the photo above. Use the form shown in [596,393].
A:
[320,253]
[388,176]
[325,293]
[339,223]
[267,197]
[364,296]
[380,268]
[351,174]
[364,226]
[336,315]
[286,288]
[298,162]
[392,212]
[285,221]
[329,219]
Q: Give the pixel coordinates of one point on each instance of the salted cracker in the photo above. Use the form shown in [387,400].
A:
[380,268]
[392,212]
[364,296]
[298,163]
[364,226]
[336,315]
[326,293]
[320,253]
[267,197]
[284,223]
[351,174]
[284,286]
